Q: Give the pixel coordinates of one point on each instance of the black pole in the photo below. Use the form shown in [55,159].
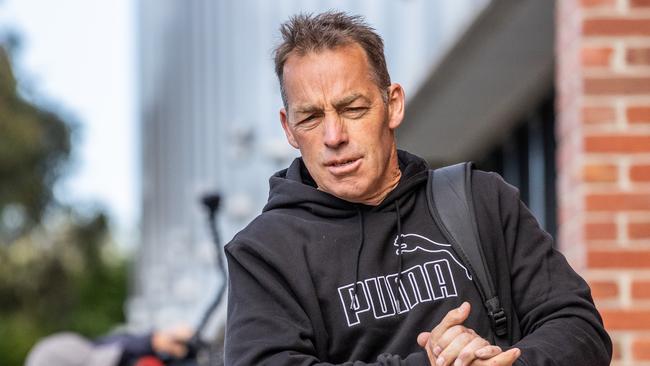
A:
[211,203]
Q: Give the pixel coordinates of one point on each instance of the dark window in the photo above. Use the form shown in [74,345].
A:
[526,159]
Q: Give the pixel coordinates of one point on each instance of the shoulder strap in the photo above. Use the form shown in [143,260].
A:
[450,201]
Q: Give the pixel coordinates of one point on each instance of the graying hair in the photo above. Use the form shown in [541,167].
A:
[304,33]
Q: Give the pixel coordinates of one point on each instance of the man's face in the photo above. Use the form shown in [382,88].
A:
[341,124]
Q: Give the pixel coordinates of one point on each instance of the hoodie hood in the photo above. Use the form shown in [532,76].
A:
[295,188]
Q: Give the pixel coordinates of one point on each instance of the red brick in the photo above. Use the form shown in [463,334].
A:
[638,114]
[633,319]
[603,289]
[639,230]
[641,349]
[618,143]
[616,26]
[597,56]
[639,3]
[641,289]
[600,173]
[608,258]
[597,3]
[638,56]
[600,231]
[598,114]
[640,173]
[617,352]
[617,201]
[617,85]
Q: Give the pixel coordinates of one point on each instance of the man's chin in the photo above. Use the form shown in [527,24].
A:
[352,196]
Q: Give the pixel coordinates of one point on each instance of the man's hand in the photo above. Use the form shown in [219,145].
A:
[450,342]
[172,342]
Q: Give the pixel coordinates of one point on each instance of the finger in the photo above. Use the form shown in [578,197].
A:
[454,317]
[433,348]
[430,355]
[177,350]
[423,338]
[451,352]
[506,358]
[449,335]
[488,352]
[423,341]
[510,356]
[468,353]
[182,333]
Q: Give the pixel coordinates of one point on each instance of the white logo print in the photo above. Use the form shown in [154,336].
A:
[385,296]
[412,242]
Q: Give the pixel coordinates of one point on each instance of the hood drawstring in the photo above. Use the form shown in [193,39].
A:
[356,276]
[399,254]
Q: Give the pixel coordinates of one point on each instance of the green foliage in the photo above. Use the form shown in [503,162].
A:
[57,271]
[34,145]
[59,279]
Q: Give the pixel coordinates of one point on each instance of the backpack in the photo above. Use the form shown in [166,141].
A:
[449,197]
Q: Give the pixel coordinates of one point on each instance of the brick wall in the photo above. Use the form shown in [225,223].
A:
[603,132]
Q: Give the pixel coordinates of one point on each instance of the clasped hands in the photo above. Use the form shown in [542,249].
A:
[450,343]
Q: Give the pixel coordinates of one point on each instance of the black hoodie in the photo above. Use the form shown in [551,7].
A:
[319,280]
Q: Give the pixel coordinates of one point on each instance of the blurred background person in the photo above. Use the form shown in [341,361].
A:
[119,349]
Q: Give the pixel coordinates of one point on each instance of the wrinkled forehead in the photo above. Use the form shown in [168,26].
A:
[328,74]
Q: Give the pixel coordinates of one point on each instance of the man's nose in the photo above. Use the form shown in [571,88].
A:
[335,131]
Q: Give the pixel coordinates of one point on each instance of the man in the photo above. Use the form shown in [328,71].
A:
[346,266]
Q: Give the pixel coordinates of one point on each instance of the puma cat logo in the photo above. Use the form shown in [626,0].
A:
[409,243]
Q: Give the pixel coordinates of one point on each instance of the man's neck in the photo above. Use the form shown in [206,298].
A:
[391,180]
[381,195]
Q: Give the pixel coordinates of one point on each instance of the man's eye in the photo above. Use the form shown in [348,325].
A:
[355,112]
[310,118]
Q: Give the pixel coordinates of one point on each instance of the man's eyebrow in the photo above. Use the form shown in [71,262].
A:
[308,108]
[345,101]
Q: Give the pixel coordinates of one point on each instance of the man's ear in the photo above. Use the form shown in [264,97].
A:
[284,119]
[395,105]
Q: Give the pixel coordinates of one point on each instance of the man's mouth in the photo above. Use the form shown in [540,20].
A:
[344,162]
[343,166]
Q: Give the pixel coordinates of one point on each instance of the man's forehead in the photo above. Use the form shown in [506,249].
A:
[347,57]
[332,76]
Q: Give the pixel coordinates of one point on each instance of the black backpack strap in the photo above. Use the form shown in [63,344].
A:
[450,202]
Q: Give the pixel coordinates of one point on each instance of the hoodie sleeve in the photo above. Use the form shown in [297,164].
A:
[266,324]
[558,320]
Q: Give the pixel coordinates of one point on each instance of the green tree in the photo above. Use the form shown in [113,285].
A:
[60,278]
[58,267]
[34,145]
